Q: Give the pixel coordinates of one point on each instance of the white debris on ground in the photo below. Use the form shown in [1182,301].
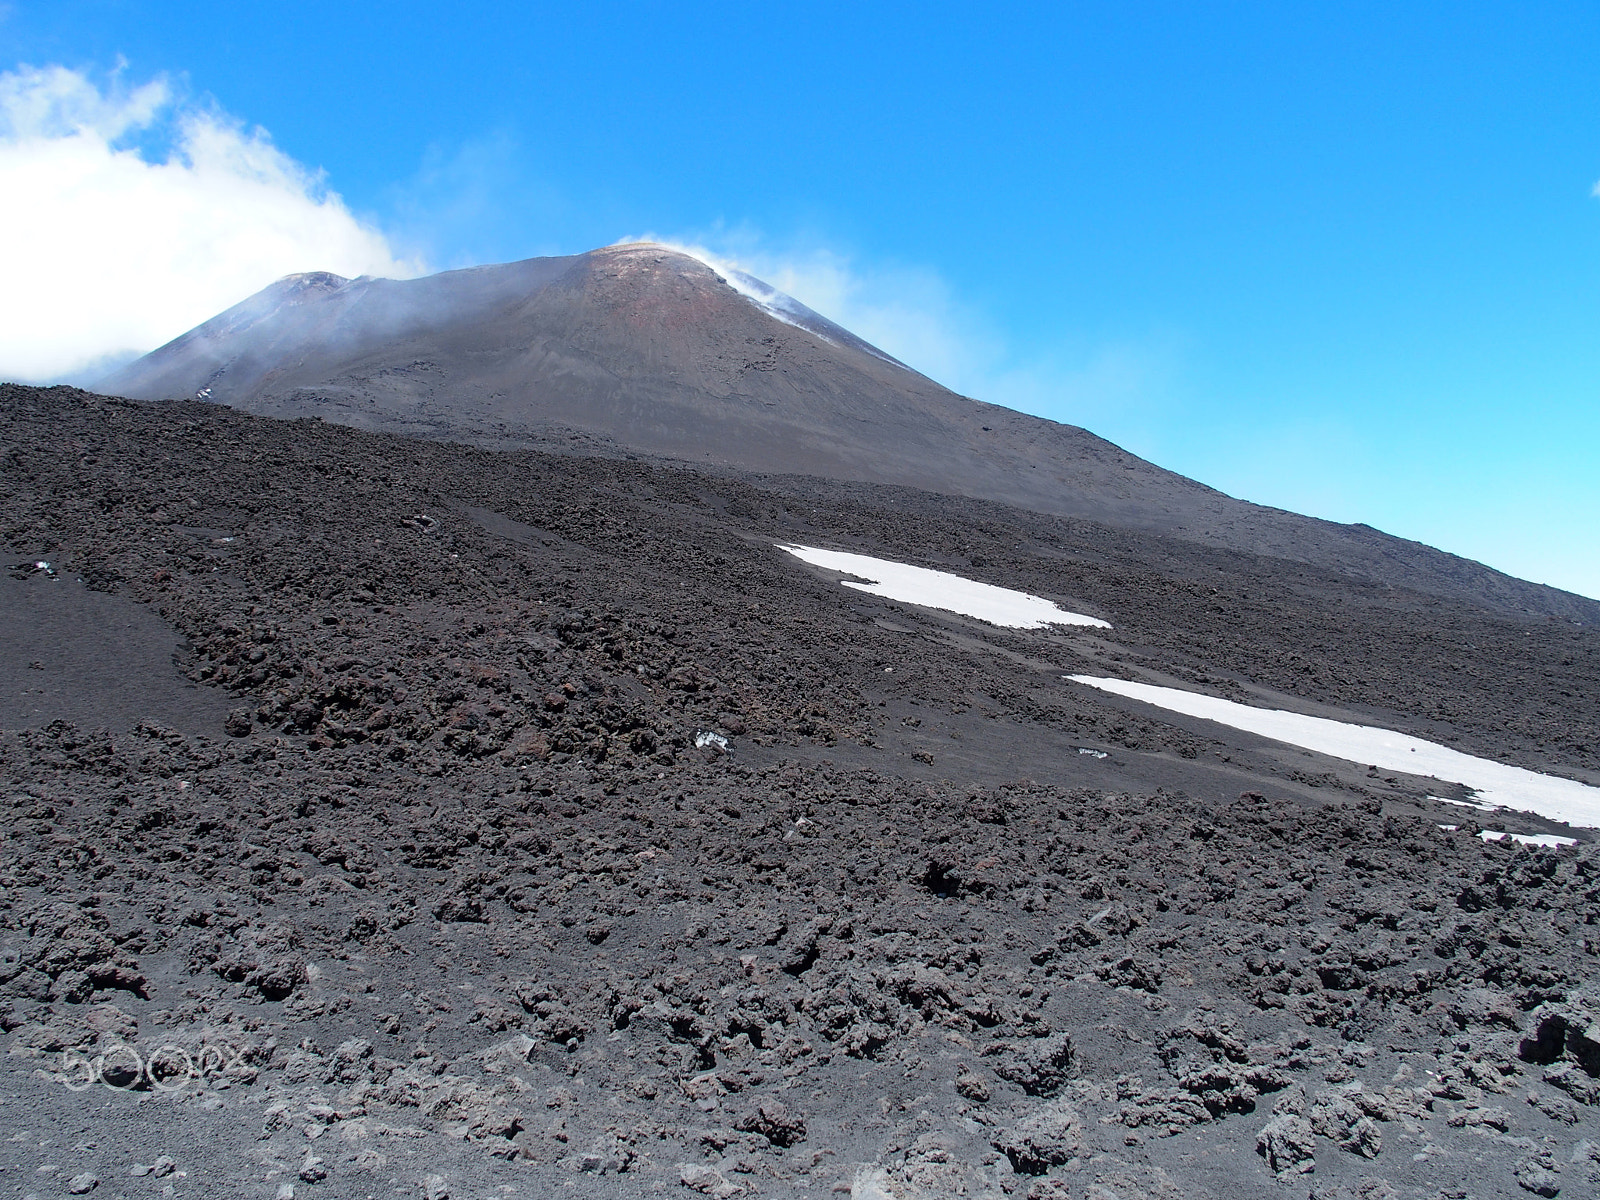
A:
[1496,784]
[939,589]
[705,738]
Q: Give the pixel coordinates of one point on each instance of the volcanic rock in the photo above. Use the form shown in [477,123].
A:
[643,350]
[312,879]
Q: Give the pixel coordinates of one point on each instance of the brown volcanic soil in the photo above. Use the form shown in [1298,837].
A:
[449,900]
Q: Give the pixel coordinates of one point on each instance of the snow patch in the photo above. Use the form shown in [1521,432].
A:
[769,299]
[1465,803]
[1548,840]
[787,309]
[939,589]
[1496,784]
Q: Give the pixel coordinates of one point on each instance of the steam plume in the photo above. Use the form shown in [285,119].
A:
[116,248]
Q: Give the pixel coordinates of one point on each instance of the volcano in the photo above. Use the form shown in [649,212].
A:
[641,349]
[645,741]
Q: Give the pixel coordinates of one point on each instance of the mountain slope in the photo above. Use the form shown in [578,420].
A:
[640,348]
[457,884]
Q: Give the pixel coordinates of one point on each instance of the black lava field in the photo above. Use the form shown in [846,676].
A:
[367,837]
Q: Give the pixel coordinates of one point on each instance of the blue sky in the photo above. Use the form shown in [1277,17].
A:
[1339,259]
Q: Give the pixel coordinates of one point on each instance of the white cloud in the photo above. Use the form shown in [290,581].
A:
[112,250]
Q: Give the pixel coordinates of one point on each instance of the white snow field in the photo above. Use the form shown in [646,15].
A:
[938,589]
[1495,783]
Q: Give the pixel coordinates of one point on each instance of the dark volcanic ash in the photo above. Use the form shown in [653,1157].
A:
[643,350]
[419,883]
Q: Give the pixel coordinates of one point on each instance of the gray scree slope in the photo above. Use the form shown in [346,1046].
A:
[643,349]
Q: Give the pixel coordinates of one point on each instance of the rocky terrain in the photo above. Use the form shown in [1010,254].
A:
[402,818]
[641,350]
